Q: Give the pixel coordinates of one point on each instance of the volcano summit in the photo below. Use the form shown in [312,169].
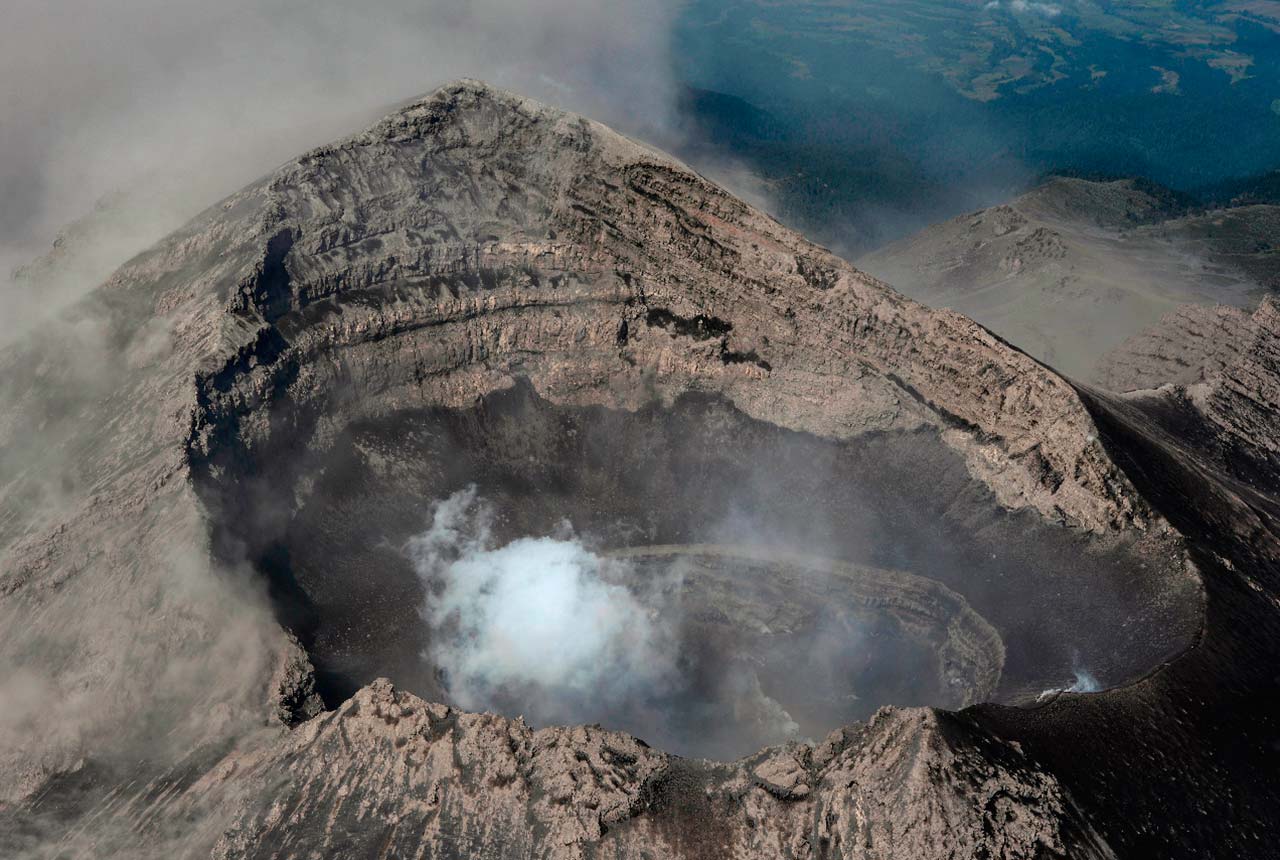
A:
[385,473]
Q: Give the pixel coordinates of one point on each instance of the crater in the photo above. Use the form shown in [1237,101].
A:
[795,583]
[792,646]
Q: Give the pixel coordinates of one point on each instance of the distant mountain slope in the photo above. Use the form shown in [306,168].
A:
[1071,269]
[1263,188]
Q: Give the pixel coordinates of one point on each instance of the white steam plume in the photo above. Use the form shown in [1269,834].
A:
[546,628]
[541,622]
[1085,682]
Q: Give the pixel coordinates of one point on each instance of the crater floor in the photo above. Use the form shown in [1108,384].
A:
[962,600]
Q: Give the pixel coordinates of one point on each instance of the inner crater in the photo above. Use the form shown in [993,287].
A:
[707,581]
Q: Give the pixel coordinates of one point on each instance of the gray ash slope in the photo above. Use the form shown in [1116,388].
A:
[439,300]
[1071,269]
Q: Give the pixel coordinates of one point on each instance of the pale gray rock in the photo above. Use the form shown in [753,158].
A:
[1073,268]
[388,774]
[1221,365]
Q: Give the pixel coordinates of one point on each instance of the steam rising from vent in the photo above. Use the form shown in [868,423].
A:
[546,628]
[541,620]
[713,649]
[1085,683]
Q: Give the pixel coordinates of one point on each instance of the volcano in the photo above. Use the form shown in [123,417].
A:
[1048,613]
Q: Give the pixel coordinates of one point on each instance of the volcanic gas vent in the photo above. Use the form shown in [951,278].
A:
[708,650]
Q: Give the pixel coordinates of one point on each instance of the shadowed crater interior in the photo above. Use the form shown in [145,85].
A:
[710,582]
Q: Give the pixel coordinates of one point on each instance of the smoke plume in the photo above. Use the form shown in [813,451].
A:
[540,621]
[546,628]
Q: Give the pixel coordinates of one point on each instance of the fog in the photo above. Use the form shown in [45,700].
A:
[132,116]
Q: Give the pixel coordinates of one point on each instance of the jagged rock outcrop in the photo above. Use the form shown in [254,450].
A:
[1189,343]
[414,779]
[293,687]
[1242,397]
[1221,364]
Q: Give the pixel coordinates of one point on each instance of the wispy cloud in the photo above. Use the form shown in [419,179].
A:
[179,102]
[1025,7]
